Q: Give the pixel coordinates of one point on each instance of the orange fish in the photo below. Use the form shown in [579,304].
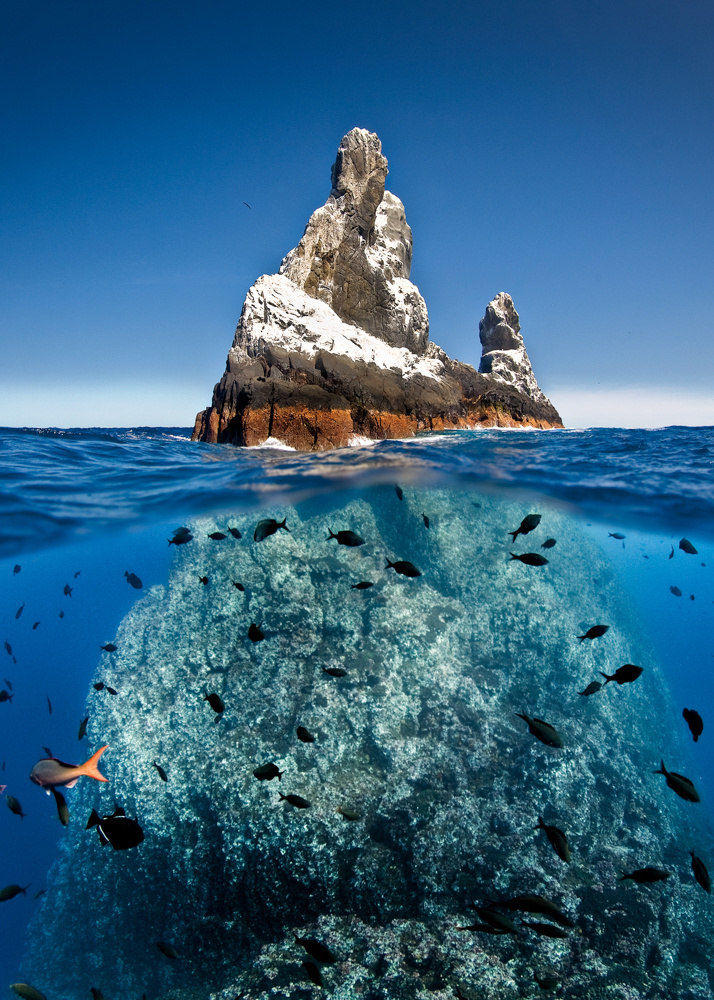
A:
[53,773]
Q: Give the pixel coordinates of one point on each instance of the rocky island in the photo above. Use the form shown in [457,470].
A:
[335,346]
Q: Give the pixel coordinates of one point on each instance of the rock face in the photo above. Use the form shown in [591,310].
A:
[336,345]
[503,353]
[424,787]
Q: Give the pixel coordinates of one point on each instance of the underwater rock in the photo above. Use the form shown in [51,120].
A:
[418,742]
[336,344]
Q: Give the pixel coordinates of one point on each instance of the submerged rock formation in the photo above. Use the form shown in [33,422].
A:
[337,344]
[424,787]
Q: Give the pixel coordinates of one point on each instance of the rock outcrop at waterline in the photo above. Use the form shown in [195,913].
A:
[336,345]
[418,743]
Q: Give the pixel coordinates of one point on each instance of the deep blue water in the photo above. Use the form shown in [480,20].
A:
[98,503]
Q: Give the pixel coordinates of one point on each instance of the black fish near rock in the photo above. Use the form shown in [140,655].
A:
[592,688]
[694,721]
[255,633]
[543,731]
[701,875]
[556,838]
[181,536]
[529,559]
[362,585]
[304,735]
[296,801]
[625,674]
[117,830]
[549,543]
[267,527]
[594,632]
[528,524]
[217,536]
[647,876]
[404,568]
[682,786]
[133,580]
[266,772]
[349,538]
[216,702]
[686,546]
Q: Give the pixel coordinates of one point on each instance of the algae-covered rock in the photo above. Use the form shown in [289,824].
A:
[424,787]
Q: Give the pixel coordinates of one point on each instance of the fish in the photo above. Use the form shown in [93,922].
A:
[678,783]
[5,696]
[16,569]
[266,772]
[35,625]
[547,930]
[160,771]
[362,585]
[267,527]
[425,519]
[110,690]
[61,614]
[533,903]
[349,814]
[14,806]
[549,543]
[349,538]
[133,580]
[701,874]
[529,558]
[67,590]
[238,586]
[53,773]
[313,972]
[557,839]
[334,671]
[203,580]
[529,522]
[671,553]
[82,728]
[294,800]
[49,704]
[216,702]
[592,688]
[686,546]
[217,536]
[400,492]
[693,720]
[108,647]
[543,731]
[167,949]
[676,591]
[62,810]
[9,683]
[255,632]
[403,567]
[616,534]
[594,632]
[181,536]
[501,921]
[317,950]
[235,533]
[646,876]
[625,674]
[483,929]
[117,830]
[10,891]
[27,992]
[8,648]
[304,735]
[19,611]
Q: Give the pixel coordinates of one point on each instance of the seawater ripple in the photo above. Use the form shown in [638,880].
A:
[56,485]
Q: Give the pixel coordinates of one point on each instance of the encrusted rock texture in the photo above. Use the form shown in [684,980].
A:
[336,346]
[419,742]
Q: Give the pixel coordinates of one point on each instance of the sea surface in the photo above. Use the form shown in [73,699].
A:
[424,786]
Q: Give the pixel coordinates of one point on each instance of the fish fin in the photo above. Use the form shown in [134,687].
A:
[331,535]
[93,819]
[390,565]
[284,525]
[662,768]
[282,797]
[90,768]
[512,555]
[521,716]
[71,784]
[607,678]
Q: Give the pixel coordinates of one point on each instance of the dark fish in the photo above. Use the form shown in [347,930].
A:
[67,590]
[133,580]
[9,684]
[216,702]
[686,546]
[400,493]
[83,728]
[317,950]
[594,632]
[529,558]
[160,771]
[8,648]
[313,972]
[557,839]
[294,800]
[14,806]
[531,903]
[181,536]
[542,731]
[255,632]
[548,543]
[304,735]
[10,891]
[592,688]
[362,585]
[676,591]
[117,830]
[266,772]
[529,522]
[203,580]
[27,992]
[62,810]
[238,586]
[625,674]
[425,519]
[334,671]
[49,704]
[167,949]
[349,814]
[679,784]
[61,614]
[52,773]
[700,873]
[110,690]
[19,611]
[349,538]
[671,553]
[235,532]
[5,696]
[546,930]
[109,647]
[616,534]
[483,929]
[403,567]
[16,569]
[34,625]
[645,876]
[501,921]
[267,527]
[692,718]
[217,536]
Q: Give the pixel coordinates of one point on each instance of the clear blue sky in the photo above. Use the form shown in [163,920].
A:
[563,152]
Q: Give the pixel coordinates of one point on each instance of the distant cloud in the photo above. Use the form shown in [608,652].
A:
[634,406]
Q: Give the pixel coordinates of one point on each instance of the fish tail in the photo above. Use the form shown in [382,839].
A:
[331,535]
[607,677]
[282,797]
[514,534]
[280,774]
[284,525]
[390,565]
[540,825]
[695,738]
[581,637]
[512,555]
[91,767]
[662,768]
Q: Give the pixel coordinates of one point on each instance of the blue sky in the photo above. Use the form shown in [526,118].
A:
[560,151]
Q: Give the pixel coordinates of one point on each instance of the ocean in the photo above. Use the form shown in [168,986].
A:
[413,790]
